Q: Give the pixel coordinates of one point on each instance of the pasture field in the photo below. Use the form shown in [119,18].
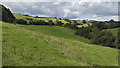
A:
[32,45]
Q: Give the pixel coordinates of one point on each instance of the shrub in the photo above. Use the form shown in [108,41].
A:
[58,23]
[51,22]
[36,17]
[84,32]
[84,21]
[20,21]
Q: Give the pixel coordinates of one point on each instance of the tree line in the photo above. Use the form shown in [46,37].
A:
[99,36]
[33,22]
[30,21]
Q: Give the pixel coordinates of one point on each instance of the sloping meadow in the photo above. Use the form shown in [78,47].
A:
[30,45]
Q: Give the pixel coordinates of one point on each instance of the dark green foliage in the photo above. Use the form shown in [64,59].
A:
[110,41]
[103,38]
[36,17]
[98,36]
[20,21]
[51,22]
[106,24]
[100,25]
[36,22]
[84,21]
[59,18]
[75,22]
[68,20]
[59,23]
[40,22]
[7,15]
[55,17]
[117,41]
[30,22]
[66,25]
[111,20]
[71,26]
[84,32]
[29,19]
[26,15]
[100,40]
[118,38]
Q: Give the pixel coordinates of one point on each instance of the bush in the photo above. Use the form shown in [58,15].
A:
[58,23]
[75,23]
[68,20]
[119,36]
[29,19]
[20,21]
[59,18]
[26,15]
[51,22]
[107,24]
[84,32]
[103,38]
[39,22]
[84,21]
[30,22]
[69,25]
[36,17]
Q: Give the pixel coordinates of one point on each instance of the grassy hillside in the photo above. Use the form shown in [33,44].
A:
[29,45]
[114,31]
[18,16]
[56,31]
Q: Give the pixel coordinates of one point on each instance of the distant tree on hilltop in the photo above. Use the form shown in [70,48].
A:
[84,21]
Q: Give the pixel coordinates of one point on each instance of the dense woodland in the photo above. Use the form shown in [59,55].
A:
[95,32]
[97,35]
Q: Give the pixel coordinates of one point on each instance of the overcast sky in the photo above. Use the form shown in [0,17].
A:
[71,10]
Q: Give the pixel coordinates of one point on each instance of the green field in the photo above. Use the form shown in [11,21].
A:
[32,45]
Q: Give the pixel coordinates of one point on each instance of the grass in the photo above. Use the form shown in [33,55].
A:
[114,31]
[56,31]
[30,45]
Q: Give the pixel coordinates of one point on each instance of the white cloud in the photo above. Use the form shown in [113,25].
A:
[56,3]
[71,10]
[59,0]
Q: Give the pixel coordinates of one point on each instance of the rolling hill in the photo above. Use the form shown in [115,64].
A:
[114,31]
[30,45]
[38,45]
[24,17]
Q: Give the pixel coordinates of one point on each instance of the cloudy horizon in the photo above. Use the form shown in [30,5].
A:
[71,10]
